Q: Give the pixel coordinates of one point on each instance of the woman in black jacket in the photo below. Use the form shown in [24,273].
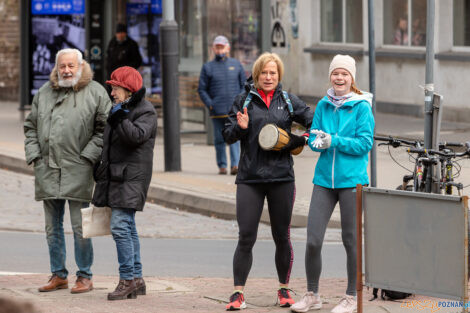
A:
[124,173]
[264,174]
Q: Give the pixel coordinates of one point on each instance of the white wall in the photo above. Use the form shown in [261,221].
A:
[398,79]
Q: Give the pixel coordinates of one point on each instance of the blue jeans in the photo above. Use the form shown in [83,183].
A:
[127,243]
[219,144]
[54,214]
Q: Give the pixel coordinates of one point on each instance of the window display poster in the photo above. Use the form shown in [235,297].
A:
[61,26]
[144,28]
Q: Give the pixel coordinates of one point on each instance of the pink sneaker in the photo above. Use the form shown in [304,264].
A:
[347,304]
[284,298]
[237,302]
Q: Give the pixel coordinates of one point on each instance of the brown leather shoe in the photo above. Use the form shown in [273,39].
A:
[141,289]
[82,284]
[126,289]
[234,170]
[54,283]
[222,171]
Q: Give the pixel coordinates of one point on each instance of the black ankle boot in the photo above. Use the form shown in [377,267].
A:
[126,289]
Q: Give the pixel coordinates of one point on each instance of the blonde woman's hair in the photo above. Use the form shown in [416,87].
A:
[261,62]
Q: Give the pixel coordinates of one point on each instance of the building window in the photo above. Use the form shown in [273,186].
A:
[341,21]
[461,23]
[405,19]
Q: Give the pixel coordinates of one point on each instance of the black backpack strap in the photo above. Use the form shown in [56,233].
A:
[247,101]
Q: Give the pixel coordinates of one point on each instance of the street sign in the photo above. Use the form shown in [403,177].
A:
[51,7]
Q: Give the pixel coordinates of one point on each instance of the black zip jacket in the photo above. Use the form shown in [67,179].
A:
[257,165]
[123,175]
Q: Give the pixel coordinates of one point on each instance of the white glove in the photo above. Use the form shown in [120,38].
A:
[322,139]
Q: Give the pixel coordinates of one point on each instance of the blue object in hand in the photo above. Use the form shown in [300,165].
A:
[118,107]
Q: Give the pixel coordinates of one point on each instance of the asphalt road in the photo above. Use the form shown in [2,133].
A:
[27,252]
[173,243]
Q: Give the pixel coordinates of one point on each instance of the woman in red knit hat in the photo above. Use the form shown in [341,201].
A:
[124,172]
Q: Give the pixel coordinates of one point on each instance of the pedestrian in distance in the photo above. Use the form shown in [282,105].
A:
[64,138]
[342,131]
[122,50]
[124,172]
[264,174]
[220,81]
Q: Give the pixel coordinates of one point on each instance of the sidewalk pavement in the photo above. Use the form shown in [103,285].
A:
[204,295]
[198,187]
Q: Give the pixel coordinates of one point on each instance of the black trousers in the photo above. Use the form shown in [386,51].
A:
[250,201]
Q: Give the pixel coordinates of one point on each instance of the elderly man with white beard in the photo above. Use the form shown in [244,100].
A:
[64,139]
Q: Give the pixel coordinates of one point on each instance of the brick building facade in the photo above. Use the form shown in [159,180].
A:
[9,49]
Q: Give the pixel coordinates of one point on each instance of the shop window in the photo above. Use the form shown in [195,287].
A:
[462,23]
[405,23]
[239,21]
[341,21]
[143,25]
[191,39]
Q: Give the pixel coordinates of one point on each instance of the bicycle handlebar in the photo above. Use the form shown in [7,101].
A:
[435,152]
[397,142]
[451,144]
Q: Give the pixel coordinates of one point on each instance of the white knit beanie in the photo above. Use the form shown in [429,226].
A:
[343,61]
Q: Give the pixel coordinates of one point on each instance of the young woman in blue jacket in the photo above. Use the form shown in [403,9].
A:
[342,131]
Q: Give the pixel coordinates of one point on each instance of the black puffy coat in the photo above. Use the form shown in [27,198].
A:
[123,175]
[125,53]
[257,165]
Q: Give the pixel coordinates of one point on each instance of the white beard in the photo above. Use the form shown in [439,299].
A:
[70,82]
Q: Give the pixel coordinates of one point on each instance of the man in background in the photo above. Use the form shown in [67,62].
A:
[122,51]
[220,81]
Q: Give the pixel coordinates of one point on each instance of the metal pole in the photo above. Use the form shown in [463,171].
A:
[359,285]
[205,58]
[429,85]
[25,56]
[171,110]
[265,26]
[373,152]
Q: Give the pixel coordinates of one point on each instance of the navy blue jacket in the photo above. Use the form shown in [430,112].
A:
[219,83]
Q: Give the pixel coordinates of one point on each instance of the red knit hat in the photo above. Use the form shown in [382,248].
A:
[126,77]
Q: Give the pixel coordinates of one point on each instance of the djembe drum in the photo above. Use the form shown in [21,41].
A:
[274,138]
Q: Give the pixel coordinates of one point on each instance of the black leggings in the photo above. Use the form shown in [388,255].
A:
[250,201]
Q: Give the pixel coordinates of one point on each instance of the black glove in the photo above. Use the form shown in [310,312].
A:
[117,117]
[294,142]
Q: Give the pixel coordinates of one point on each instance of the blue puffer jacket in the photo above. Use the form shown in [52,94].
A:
[221,80]
[351,127]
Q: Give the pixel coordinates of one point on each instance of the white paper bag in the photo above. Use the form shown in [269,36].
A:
[96,221]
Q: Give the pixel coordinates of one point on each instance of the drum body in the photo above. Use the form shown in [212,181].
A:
[272,137]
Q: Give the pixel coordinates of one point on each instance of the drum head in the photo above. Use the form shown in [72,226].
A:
[268,136]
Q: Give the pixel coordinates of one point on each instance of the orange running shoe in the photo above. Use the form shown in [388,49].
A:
[284,297]
[237,301]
